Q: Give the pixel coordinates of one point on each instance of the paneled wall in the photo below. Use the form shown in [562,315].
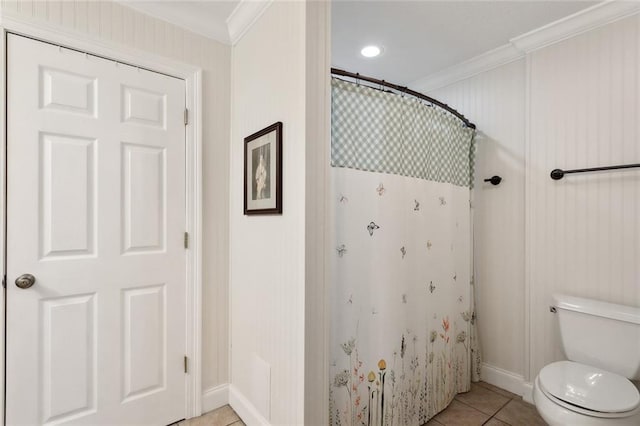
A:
[584,230]
[495,102]
[571,104]
[267,253]
[116,23]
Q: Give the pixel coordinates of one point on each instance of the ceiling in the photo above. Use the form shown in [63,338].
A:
[420,38]
[205,17]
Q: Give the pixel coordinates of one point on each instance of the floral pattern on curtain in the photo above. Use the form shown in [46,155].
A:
[403,340]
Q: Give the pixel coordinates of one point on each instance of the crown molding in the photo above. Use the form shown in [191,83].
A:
[179,15]
[479,64]
[578,23]
[244,16]
[562,29]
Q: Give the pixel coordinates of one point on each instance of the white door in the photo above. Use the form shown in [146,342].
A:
[96,213]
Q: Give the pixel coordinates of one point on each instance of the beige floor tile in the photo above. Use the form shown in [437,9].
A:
[483,399]
[459,414]
[495,422]
[223,416]
[432,422]
[497,390]
[518,413]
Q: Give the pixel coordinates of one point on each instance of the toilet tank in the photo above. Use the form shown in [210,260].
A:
[600,334]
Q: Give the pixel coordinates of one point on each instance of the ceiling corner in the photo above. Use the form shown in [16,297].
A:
[596,16]
[244,16]
[476,65]
[572,25]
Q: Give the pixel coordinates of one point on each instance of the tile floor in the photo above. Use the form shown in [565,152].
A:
[488,405]
[223,416]
[485,404]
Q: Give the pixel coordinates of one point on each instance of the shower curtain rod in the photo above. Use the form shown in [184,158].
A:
[403,89]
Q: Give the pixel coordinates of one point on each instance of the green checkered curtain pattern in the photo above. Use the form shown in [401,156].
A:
[384,132]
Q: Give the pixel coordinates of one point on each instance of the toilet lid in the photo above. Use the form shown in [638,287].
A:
[589,387]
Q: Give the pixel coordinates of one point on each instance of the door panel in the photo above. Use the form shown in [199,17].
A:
[68,198]
[96,212]
[68,91]
[143,107]
[69,377]
[144,324]
[143,206]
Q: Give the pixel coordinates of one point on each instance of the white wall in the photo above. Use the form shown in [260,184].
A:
[583,231]
[267,253]
[317,265]
[579,101]
[279,74]
[495,102]
[113,22]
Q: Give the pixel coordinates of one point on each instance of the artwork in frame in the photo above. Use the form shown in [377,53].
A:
[263,171]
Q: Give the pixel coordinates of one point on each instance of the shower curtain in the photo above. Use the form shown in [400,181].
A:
[403,340]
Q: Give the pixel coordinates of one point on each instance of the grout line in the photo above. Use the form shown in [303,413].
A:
[518,399]
[509,399]
[471,406]
[458,401]
[500,409]
[489,389]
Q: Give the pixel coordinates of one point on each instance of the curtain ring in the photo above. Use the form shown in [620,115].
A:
[358,78]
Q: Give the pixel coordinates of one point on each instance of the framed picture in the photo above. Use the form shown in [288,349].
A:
[263,171]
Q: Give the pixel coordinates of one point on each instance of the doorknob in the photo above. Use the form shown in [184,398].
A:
[25,281]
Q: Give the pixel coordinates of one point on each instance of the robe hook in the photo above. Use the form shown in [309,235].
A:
[495,180]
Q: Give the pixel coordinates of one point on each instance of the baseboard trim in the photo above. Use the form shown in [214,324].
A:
[245,409]
[507,380]
[527,392]
[215,397]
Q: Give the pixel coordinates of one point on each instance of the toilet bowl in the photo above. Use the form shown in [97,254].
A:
[569,393]
[602,344]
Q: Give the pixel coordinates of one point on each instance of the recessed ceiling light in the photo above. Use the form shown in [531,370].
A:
[370,51]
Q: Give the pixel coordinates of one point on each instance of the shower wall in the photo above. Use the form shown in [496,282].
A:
[578,101]
[495,101]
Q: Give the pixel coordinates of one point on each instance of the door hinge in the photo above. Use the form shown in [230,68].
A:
[186,364]
[186,240]
[4,281]
[186,117]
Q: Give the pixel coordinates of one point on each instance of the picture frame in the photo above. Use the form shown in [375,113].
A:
[263,171]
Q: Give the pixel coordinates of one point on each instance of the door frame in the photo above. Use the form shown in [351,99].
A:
[193,156]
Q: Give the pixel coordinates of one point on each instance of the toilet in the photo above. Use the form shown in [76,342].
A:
[592,388]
